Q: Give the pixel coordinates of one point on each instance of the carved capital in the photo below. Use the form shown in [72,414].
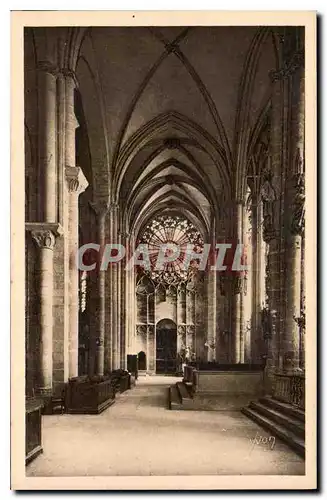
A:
[76,180]
[69,73]
[150,330]
[44,234]
[190,329]
[44,239]
[141,330]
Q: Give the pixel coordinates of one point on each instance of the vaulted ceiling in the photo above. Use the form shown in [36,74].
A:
[169,111]
[163,110]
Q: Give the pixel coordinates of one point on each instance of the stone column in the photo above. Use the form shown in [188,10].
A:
[131,308]
[71,122]
[256,333]
[247,322]
[114,289]
[190,320]
[212,316]
[47,167]
[301,320]
[200,313]
[45,232]
[224,334]
[77,184]
[287,163]
[129,300]
[119,316]
[237,290]
[271,236]
[45,236]
[291,337]
[237,354]
[181,304]
[124,240]
[101,209]
[273,280]
[295,199]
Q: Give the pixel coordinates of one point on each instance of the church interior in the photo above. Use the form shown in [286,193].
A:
[156,136]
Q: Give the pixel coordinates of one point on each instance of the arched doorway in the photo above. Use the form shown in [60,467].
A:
[166,346]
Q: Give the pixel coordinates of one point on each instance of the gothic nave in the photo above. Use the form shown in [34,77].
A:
[182,137]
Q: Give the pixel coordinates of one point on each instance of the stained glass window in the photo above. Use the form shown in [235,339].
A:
[176,230]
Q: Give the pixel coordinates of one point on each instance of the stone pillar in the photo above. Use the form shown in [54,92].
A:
[71,122]
[119,317]
[45,236]
[271,235]
[248,309]
[212,316]
[101,209]
[287,141]
[200,313]
[237,354]
[224,334]
[124,240]
[47,167]
[295,199]
[114,289]
[273,280]
[291,337]
[237,290]
[131,309]
[301,320]
[181,304]
[129,300]
[77,184]
[256,268]
[44,233]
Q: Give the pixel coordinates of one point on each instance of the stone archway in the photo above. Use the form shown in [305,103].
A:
[166,346]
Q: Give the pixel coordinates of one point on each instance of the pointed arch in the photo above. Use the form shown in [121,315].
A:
[242,129]
[170,121]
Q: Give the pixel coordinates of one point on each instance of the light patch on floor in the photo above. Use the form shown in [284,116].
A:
[138,435]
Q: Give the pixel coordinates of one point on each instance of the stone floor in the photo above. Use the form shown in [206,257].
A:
[138,435]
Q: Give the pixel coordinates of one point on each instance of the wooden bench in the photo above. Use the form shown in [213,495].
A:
[89,395]
[33,428]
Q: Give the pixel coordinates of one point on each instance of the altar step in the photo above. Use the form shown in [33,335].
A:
[284,420]
[181,397]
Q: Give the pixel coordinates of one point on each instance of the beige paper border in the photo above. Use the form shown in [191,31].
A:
[160,18]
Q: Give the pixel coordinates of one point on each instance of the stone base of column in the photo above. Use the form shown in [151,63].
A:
[44,392]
